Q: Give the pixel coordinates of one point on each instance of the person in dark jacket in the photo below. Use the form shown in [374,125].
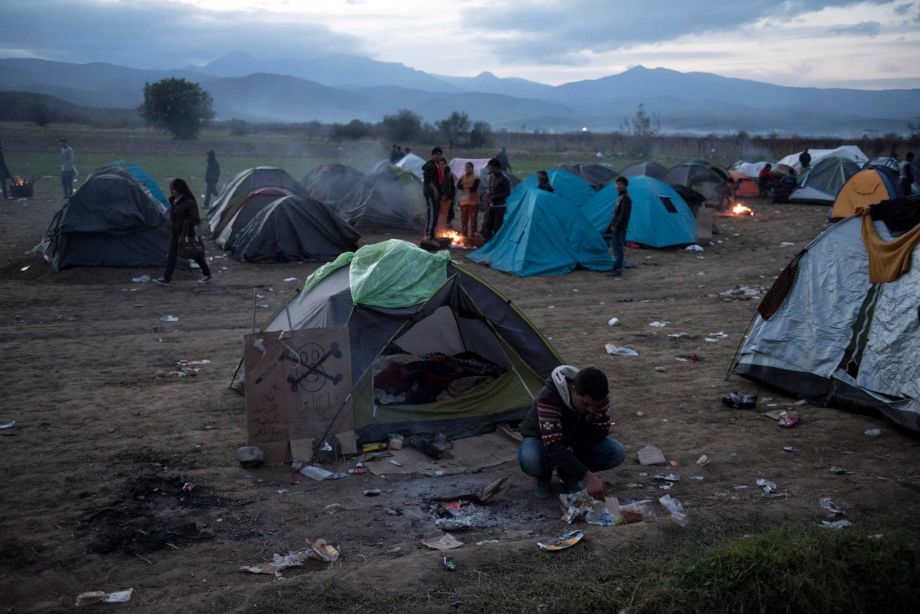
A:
[5,174]
[183,218]
[906,175]
[765,180]
[396,154]
[497,192]
[432,178]
[543,182]
[502,158]
[447,190]
[805,160]
[619,225]
[566,431]
[211,177]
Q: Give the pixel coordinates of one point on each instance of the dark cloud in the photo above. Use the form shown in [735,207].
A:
[558,32]
[156,35]
[902,9]
[863,28]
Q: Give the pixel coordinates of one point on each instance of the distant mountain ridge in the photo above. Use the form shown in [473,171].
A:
[338,88]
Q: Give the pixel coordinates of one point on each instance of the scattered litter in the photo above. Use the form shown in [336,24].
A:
[566,540]
[836,524]
[688,358]
[582,506]
[660,369]
[250,457]
[637,511]
[740,401]
[786,244]
[873,432]
[332,508]
[676,508]
[372,492]
[678,335]
[92,597]
[448,563]
[773,415]
[444,541]
[8,425]
[702,461]
[24,269]
[143,279]
[188,487]
[788,449]
[788,418]
[289,279]
[282,491]
[828,505]
[318,551]
[316,473]
[659,323]
[620,351]
[613,321]
[768,487]
[841,471]
[169,318]
[693,248]
[668,477]
[487,542]
[739,293]
[650,455]
[395,462]
[800,402]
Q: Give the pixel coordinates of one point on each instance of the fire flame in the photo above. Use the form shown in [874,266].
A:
[740,209]
[19,181]
[456,239]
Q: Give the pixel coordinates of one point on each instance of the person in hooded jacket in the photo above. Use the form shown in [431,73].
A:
[566,431]
[211,177]
[183,220]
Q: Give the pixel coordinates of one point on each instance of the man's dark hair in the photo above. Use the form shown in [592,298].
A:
[909,156]
[494,163]
[592,382]
[437,150]
[542,174]
[622,180]
[182,188]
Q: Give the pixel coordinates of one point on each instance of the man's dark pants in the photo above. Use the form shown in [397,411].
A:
[618,244]
[606,454]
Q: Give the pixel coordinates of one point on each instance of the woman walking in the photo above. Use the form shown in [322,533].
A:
[184,218]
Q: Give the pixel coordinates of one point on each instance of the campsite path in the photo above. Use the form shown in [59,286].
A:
[107,434]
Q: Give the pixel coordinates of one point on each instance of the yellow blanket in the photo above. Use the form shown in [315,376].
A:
[887,260]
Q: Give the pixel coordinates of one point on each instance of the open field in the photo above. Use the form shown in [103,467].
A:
[91,491]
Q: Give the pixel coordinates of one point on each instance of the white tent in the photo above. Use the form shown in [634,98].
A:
[751,169]
[413,164]
[458,165]
[848,152]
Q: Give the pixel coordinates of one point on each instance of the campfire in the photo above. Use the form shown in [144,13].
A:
[21,187]
[456,239]
[740,209]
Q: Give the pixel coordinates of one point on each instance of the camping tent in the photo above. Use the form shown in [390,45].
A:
[249,208]
[848,152]
[389,199]
[568,185]
[330,182]
[413,164]
[660,217]
[644,169]
[240,187]
[694,173]
[133,171]
[405,309]
[824,180]
[869,186]
[745,187]
[829,335]
[595,175]
[544,235]
[294,228]
[751,169]
[109,221]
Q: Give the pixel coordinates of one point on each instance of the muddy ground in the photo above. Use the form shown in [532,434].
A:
[105,439]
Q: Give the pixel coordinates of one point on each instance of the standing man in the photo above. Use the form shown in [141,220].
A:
[805,160]
[5,174]
[566,431]
[433,178]
[468,188]
[447,191]
[619,224]
[906,175]
[68,168]
[496,195]
[211,177]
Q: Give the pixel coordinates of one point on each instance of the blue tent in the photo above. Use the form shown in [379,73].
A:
[544,235]
[142,177]
[566,184]
[660,217]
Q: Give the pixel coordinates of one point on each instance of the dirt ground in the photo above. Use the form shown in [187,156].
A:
[92,487]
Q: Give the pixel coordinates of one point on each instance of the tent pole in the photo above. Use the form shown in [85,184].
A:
[254,299]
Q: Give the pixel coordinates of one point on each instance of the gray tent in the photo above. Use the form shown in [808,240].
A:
[826,334]
[596,175]
[109,221]
[329,183]
[391,198]
[825,179]
[249,208]
[293,228]
[647,169]
[243,184]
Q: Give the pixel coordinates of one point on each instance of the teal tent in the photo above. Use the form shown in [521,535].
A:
[544,235]
[141,176]
[660,217]
[565,184]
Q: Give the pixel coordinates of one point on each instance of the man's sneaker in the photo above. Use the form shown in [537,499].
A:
[205,279]
[161,281]
[542,489]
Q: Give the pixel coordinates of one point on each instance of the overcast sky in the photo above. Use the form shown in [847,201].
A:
[871,43]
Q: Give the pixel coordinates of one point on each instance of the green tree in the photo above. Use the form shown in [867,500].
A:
[404,126]
[352,131]
[40,114]
[480,135]
[454,127]
[177,106]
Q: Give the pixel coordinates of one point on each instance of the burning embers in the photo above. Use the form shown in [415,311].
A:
[456,239]
[740,209]
[21,187]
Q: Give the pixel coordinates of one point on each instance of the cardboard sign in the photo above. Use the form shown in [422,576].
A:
[296,386]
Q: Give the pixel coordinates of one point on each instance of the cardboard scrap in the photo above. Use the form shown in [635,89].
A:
[442,542]
[650,455]
[468,455]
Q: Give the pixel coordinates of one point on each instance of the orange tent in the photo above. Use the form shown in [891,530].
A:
[869,186]
[745,187]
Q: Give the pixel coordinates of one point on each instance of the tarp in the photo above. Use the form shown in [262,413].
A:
[644,169]
[751,169]
[837,339]
[824,180]
[240,187]
[458,165]
[847,152]
[565,184]
[869,186]
[109,221]
[544,235]
[392,198]
[294,229]
[659,218]
[330,183]
[395,273]
[413,164]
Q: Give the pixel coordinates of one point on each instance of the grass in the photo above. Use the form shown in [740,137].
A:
[780,570]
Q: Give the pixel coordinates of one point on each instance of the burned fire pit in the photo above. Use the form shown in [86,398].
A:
[447,239]
[22,188]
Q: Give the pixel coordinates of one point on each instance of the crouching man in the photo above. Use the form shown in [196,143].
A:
[566,431]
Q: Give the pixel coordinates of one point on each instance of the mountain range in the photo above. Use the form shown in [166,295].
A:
[339,88]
